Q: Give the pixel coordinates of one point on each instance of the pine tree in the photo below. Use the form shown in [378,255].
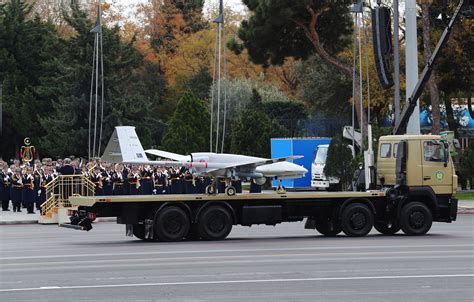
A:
[30,54]
[188,128]
[251,134]
[339,162]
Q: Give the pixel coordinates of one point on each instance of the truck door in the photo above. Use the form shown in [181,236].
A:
[437,169]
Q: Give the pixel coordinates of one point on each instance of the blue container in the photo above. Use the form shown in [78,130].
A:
[305,146]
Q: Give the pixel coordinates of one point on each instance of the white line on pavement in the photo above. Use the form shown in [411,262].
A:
[236,250]
[235,282]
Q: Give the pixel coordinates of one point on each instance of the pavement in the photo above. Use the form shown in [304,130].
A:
[261,263]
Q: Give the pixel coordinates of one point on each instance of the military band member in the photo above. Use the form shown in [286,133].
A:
[37,174]
[189,183]
[160,181]
[96,178]
[29,192]
[16,189]
[5,179]
[146,180]
[107,180]
[45,180]
[118,180]
[134,183]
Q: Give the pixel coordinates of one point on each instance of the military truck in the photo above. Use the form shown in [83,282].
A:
[416,178]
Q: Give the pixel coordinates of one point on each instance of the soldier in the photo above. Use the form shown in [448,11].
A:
[134,181]
[96,178]
[38,175]
[28,192]
[189,183]
[16,189]
[5,178]
[118,180]
[160,181]
[107,180]
[46,178]
[146,180]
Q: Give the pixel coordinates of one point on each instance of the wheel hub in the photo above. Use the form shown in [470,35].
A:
[216,223]
[173,224]
[358,220]
[417,219]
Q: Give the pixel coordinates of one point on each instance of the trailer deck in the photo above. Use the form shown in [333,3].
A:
[89,201]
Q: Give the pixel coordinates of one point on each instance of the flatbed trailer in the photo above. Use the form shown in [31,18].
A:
[211,217]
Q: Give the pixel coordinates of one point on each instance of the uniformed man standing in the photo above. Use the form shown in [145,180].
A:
[189,183]
[29,192]
[118,180]
[5,179]
[159,181]
[45,180]
[96,178]
[16,189]
[107,180]
[134,181]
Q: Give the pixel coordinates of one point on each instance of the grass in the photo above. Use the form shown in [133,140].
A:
[465,195]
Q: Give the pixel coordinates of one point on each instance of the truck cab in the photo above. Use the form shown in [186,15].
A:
[420,167]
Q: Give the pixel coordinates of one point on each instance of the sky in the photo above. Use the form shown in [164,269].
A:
[237,4]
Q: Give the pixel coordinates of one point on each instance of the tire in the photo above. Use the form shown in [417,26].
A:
[171,224]
[415,219]
[328,227]
[139,231]
[193,234]
[384,229]
[230,191]
[214,223]
[357,220]
[210,190]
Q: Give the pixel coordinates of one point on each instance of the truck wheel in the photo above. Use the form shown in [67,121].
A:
[193,234]
[139,231]
[384,229]
[415,219]
[171,224]
[215,223]
[328,227]
[357,220]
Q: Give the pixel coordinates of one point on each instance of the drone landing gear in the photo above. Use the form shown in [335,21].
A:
[280,188]
[230,191]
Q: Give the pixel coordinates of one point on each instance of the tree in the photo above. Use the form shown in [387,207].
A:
[31,60]
[130,96]
[466,165]
[188,128]
[339,162]
[282,28]
[432,86]
[322,87]
[251,134]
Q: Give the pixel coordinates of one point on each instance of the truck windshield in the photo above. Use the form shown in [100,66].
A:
[321,154]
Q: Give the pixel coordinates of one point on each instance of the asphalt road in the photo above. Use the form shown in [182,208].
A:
[282,263]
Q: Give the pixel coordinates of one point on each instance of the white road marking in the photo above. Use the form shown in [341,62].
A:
[213,251]
[230,257]
[236,282]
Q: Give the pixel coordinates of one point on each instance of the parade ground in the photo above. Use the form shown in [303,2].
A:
[261,263]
